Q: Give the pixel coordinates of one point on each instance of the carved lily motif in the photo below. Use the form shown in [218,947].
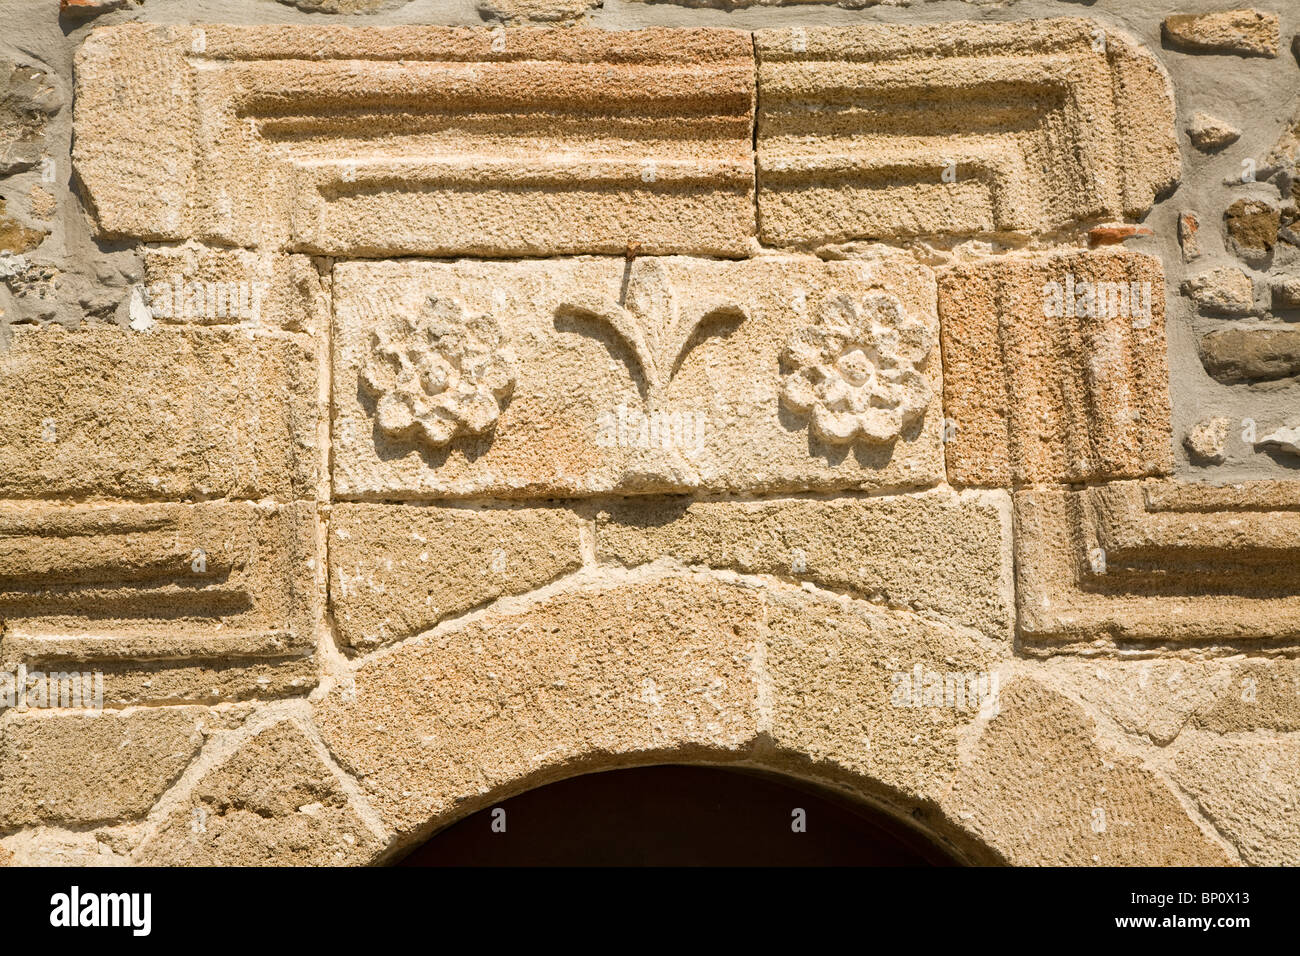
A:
[855,373]
[438,374]
[654,323]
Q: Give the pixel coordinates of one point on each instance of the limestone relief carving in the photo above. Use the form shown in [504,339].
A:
[654,322]
[439,374]
[854,373]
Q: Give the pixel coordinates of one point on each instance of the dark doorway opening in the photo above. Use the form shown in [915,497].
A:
[678,816]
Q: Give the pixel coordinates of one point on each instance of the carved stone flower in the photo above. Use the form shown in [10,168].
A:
[439,373]
[855,373]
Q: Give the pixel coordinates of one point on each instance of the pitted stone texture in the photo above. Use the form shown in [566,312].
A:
[936,552]
[1259,694]
[1247,787]
[1257,353]
[420,140]
[1041,785]
[274,802]
[398,570]
[537,11]
[98,768]
[834,691]
[174,414]
[1252,227]
[661,375]
[1244,32]
[701,667]
[1035,395]
[855,129]
[171,603]
[1158,563]
[194,284]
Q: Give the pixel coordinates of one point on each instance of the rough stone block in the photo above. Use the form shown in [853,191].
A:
[273,802]
[77,770]
[1244,32]
[398,570]
[1041,785]
[420,140]
[1055,369]
[581,377]
[530,694]
[1247,788]
[1256,353]
[1061,121]
[179,413]
[937,552]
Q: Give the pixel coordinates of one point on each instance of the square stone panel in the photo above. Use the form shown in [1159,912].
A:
[598,375]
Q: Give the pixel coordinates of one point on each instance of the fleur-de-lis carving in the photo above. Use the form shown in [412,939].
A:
[656,325]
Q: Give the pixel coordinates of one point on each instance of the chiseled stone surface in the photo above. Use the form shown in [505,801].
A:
[273,802]
[937,552]
[661,667]
[194,284]
[845,151]
[1041,785]
[179,413]
[535,142]
[589,376]
[397,570]
[124,761]
[1055,368]
[170,603]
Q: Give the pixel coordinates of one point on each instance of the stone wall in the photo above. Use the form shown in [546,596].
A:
[407,404]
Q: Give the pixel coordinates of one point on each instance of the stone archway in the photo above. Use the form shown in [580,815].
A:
[678,815]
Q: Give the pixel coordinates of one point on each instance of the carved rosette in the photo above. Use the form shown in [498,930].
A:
[438,374]
[855,373]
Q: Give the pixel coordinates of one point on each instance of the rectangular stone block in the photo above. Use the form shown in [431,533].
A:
[420,140]
[167,602]
[397,570]
[964,129]
[1055,369]
[581,377]
[939,553]
[176,413]
[78,770]
[1154,564]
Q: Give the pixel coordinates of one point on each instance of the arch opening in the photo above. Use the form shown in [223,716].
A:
[679,815]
